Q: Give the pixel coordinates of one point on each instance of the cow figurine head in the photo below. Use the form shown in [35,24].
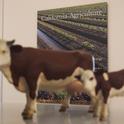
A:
[87,77]
[5,58]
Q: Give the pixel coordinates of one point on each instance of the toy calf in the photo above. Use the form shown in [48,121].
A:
[101,86]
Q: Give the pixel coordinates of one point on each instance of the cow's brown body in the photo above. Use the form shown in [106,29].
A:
[30,62]
[115,80]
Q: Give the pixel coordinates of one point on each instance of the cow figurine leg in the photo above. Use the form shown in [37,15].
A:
[104,108]
[104,112]
[65,104]
[97,106]
[92,104]
[101,110]
[30,107]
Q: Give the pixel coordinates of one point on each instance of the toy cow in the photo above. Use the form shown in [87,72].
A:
[24,67]
[101,85]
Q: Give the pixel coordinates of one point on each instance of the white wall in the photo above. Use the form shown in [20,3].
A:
[1,37]
[0,18]
[21,23]
[116,34]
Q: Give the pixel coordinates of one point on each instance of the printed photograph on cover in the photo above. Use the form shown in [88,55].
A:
[82,28]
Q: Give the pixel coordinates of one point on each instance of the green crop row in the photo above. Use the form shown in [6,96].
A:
[62,32]
[90,27]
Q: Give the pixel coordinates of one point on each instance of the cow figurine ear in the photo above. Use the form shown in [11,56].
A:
[16,48]
[78,77]
[10,43]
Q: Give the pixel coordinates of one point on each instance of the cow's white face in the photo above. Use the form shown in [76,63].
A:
[5,58]
[88,79]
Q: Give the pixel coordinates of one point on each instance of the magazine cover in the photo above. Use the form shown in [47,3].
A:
[82,28]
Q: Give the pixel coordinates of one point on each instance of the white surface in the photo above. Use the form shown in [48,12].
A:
[21,23]
[48,114]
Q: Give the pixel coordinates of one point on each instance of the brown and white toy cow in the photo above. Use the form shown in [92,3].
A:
[102,85]
[28,69]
